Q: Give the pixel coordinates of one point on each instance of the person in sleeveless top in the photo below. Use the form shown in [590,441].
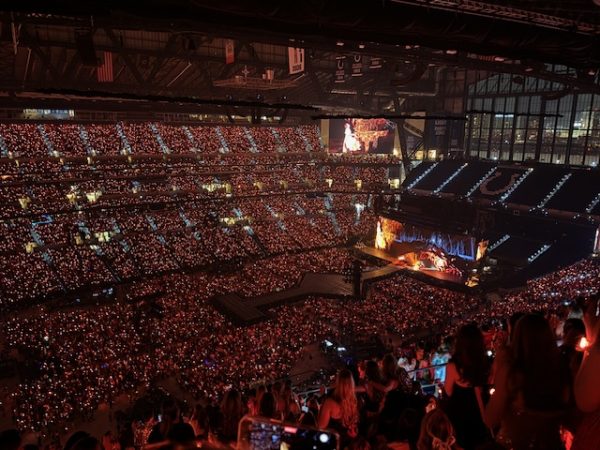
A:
[374,388]
[531,391]
[587,388]
[340,411]
[466,379]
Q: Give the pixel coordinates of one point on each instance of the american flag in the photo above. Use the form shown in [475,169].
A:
[105,71]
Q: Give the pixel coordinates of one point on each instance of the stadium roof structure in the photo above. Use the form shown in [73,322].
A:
[173,52]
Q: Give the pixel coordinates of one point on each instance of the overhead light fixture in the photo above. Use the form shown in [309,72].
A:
[339,43]
[451,51]
[361,46]
[499,58]
[528,69]
[592,72]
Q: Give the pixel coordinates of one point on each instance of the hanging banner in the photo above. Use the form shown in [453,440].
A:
[296,60]
[340,71]
[357,66]
[229,51]
[376,63]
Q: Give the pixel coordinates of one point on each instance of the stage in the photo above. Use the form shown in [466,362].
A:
[245,311]
[453,277]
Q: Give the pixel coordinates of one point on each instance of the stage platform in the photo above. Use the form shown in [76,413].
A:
[245,311]
[439,278]
[381,254]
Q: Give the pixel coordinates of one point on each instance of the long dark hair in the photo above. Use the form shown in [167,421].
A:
[232,411]
[267,406]
[372,371]
[536,370]
[470,357]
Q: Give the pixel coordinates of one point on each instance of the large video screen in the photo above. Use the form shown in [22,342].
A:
[392,235]
[361,135]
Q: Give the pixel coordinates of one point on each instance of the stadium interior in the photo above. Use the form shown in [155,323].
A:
[300,225]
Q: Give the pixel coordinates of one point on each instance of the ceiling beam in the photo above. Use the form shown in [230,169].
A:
[118,49]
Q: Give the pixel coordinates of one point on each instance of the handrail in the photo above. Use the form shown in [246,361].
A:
[314,389]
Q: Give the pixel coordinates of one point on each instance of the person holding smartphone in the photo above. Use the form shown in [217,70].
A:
[587,388]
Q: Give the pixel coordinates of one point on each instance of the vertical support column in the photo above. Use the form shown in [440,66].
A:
[571,124]
[469,132]
[540,131]
[403,146]
[511,147]
[491,129]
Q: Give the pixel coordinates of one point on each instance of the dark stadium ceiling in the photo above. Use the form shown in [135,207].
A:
[174,50]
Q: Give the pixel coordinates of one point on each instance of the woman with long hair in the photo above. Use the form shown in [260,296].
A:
[466,378]
[268,406]
[389,371]
[587,388]
[531,389]
[437,432]
[170,416]
[340,411]
[374,388]
[232,410]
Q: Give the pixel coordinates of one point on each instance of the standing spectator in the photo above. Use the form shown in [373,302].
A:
[531,389]
[466,377]
[171,425]
[340,411]
[231,413]
[587,389]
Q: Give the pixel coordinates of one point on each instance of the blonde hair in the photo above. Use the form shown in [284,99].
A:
[345,396]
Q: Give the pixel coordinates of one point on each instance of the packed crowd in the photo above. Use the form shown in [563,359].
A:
[224,193]
[88,357]
[66,252]
[27,140]
[250,214]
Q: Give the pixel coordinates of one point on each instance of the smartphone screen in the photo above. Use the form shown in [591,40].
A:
[257,433]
